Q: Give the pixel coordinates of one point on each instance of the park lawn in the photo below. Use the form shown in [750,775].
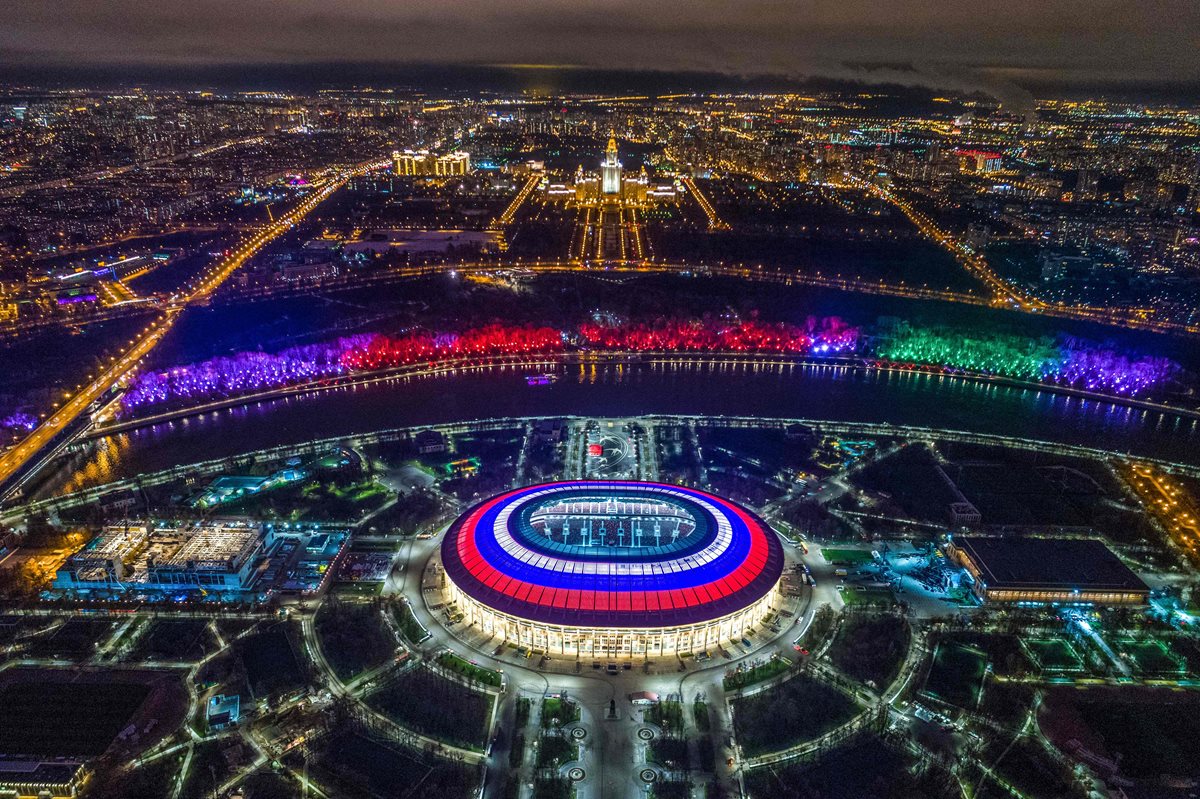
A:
[173,639]
[412,629]
[360,766]
[671,789]
[846,557]
[1054,654]
[1154,730]
[1029,768]
[269,660]
[357,590]
[737,680]
[558,710]
[516,753]
[358,492]
[207,769]
[272,785]
[912,478]
[671,753]
[866,768]
[555,750]
[668,715]
[74,639]
[315,500]
[1154,658]
[469,670]
[66,719]
[354,637]
[524,705]
[553,787]
[877,597]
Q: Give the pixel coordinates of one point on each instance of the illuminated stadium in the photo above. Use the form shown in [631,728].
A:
[612,568]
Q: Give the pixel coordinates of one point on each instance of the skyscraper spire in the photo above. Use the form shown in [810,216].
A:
[610,168]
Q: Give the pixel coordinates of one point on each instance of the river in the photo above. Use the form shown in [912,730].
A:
[812,392]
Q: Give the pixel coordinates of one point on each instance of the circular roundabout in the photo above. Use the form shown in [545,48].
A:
[611,568]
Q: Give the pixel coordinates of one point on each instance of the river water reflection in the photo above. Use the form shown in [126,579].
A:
[815,392]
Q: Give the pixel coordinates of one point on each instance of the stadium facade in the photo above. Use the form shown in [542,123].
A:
[612,569]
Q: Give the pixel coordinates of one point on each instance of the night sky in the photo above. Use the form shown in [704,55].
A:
[1003,48]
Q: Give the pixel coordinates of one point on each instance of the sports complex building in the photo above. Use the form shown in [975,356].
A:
[617,569]
[1047,571]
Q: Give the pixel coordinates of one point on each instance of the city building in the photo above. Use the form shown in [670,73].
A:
[58,777]
[980,161]
[611,184]
[223,711]
[230,488]
[610,169]
[423,162]
[215,555]
[1047,570]
[612,569]
[234,559]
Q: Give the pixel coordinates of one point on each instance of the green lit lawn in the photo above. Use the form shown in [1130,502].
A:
[760,673]
[867,596]
[558,713]
[1053,654]
[409,626]
[848,557]
[1153,658]
[478,674]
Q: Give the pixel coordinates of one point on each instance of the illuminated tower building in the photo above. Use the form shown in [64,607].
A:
[610,168]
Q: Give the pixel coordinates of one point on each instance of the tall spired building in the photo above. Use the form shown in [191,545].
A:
[610,168]
[611,186]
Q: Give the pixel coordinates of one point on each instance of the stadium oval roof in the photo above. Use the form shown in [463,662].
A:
[612,554]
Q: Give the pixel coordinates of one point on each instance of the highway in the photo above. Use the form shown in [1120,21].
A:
[74,405]
[1001,298]
[647,266]
[751,273]
[714,221]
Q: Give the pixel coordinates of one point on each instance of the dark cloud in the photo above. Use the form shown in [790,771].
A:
[945,44]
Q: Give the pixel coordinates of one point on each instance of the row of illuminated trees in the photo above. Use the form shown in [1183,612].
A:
[1060,360]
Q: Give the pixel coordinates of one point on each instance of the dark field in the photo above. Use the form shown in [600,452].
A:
[77,638]
[180,640]
[956,675]
[58,719]
[871,648]
[865,770]
[795,711]
[365,767]
[432,705]
[1153,731]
